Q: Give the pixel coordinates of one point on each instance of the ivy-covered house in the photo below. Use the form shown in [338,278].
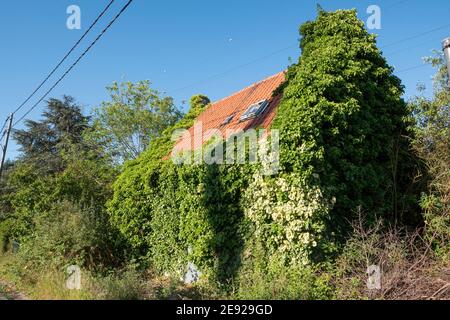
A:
[342,125]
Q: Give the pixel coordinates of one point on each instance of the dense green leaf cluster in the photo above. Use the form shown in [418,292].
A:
[432,144]
[135,187]
[172,214]
[342,120]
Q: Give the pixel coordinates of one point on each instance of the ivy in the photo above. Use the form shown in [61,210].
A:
[342,119]
[136,189]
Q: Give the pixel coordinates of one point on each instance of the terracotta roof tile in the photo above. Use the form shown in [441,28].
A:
[235,105]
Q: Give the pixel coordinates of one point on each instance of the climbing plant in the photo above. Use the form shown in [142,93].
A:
[343,122]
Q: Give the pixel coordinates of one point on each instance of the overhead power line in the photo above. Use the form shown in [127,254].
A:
[417,45]
[65,57]
[412,68]
[124,8]
[218,75]
[210,77]
[415,36]
[1,139]
[4,125]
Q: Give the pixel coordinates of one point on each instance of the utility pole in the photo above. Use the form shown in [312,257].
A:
[5,146]
[446,47]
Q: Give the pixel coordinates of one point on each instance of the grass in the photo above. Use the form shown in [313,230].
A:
[410,270]
[4,293]
[126,284]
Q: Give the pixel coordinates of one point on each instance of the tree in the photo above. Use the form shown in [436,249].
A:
[432,144]
[134,116]
[42,142]
[4,204]
[56,163]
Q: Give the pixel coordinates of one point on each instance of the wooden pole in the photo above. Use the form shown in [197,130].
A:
[5,147]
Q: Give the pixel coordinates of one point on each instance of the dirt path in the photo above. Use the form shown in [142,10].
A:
[7,292]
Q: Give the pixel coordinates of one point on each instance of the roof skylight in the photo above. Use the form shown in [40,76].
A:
[255,110]
[227,120]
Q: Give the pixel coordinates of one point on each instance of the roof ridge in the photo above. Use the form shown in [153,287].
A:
[250,86]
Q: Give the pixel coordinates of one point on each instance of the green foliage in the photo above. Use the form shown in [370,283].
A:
[344,149]
[125,285]
[57,211]
[131,205]
[64,235]
[135,116]
[86,180]
[6,236]
[174,214]
[42,142]
[67,234]
[342,120]
[432,144]
[287,217]
[28,193]
[264,277]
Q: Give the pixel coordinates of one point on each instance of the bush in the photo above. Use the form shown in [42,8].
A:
[5,235]
[286,217]
[265,276]
[65,235]
[409,267]
[432,145]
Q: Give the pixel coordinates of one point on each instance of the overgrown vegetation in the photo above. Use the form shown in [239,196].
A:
[432,144]
[364,180]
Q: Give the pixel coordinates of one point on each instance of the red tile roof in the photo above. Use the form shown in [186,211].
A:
[235,105]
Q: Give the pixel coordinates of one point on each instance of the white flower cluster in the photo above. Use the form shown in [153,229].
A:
[286,215]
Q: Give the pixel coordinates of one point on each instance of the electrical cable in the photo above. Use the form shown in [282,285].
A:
[4,125]
[412,68]
[64,58]
[76,62]
[219,75]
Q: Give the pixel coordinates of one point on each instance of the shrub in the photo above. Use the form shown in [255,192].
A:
[264,276]
[432,144]
[287,217]
[409,268]
[126,285]
[65,235]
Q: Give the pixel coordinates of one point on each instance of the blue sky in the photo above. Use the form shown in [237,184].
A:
[190,47]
